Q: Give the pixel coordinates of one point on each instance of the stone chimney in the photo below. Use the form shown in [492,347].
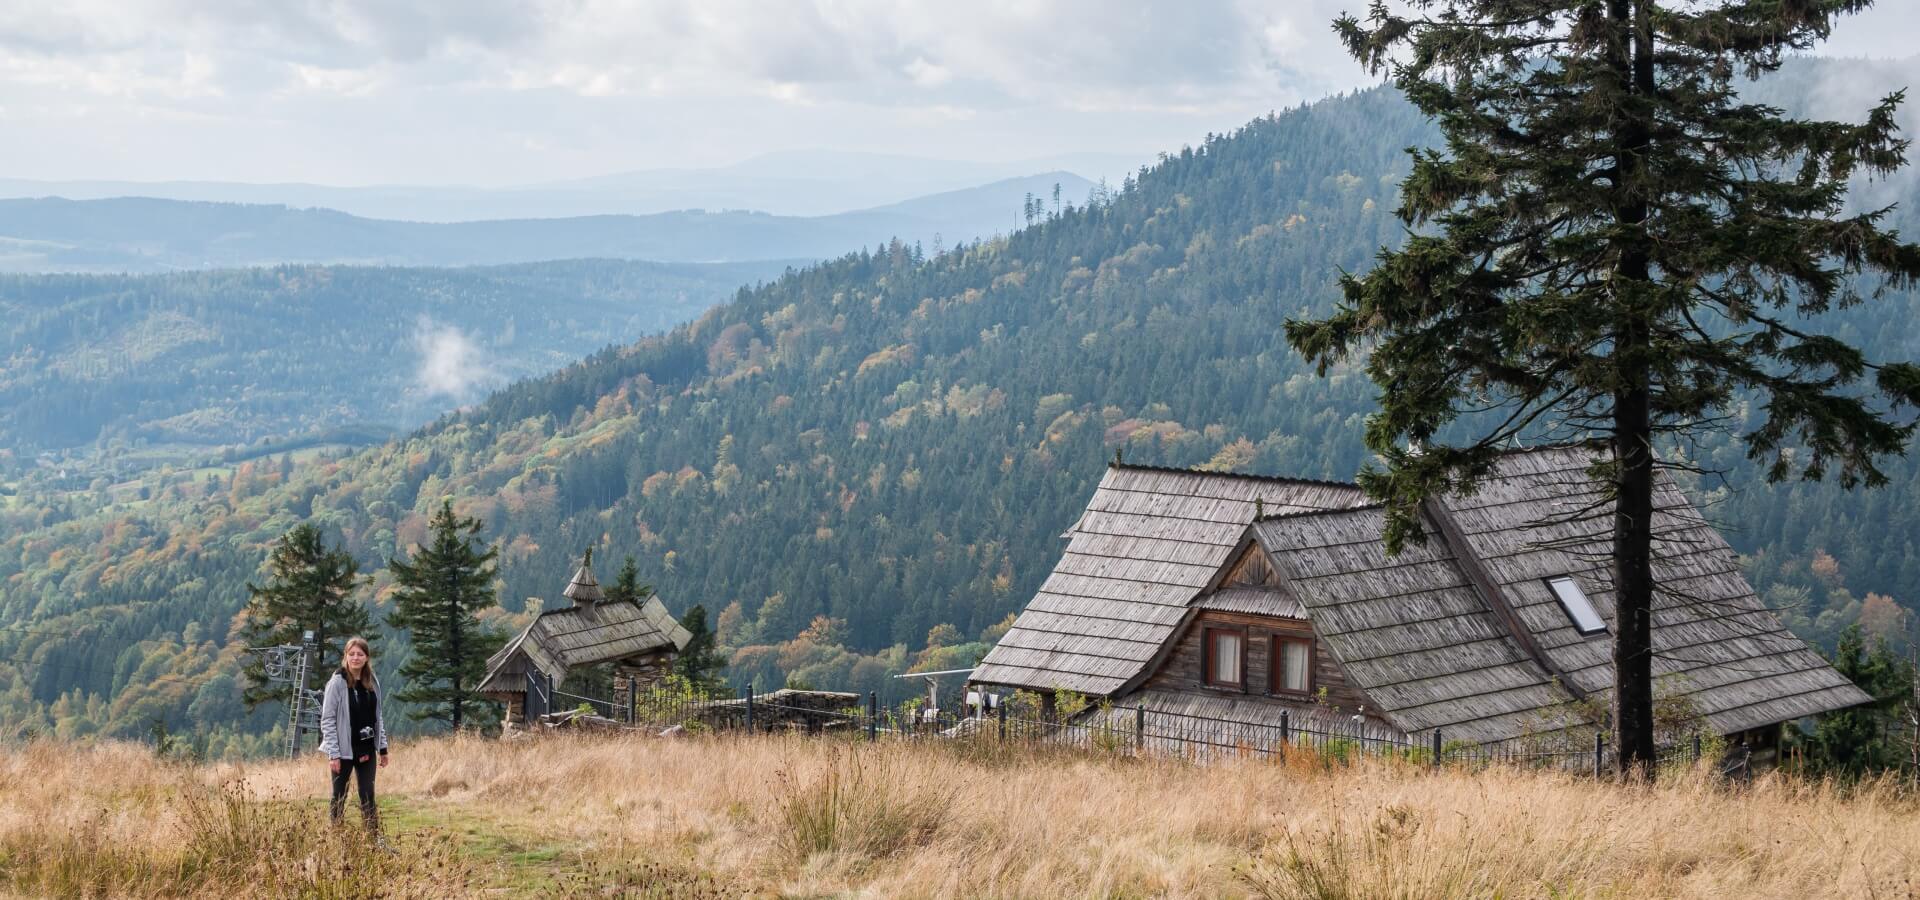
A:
[584,590]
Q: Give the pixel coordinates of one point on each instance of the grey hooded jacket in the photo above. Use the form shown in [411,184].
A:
[336,727]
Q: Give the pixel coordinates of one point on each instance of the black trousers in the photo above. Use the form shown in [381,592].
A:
[362,772]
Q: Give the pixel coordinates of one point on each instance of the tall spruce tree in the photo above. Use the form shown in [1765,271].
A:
[310,588]
[1615,248]
[627,586]
[435,598]
[700,661]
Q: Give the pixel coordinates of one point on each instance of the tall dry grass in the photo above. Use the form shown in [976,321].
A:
[800,817]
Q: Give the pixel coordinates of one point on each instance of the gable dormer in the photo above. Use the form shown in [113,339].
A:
[1250,568]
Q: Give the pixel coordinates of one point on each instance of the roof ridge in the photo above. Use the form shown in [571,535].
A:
[1288,479]
[1301,514]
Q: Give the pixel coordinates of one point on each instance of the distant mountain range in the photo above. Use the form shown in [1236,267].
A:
[147,234]
[799,183]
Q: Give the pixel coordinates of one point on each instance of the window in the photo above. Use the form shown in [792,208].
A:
[1226,657]
[1292,665]
[1585,618]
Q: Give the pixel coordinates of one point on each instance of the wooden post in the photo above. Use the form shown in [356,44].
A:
[1286,728]
[1696,746]
[633,705]
[873,716]
[1436,748]
[1001,708]
[749,709]
[1139,728]
[1599,754]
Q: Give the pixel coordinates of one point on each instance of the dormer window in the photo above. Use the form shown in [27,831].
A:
[1585,618]
[1292,665]
[1226,658]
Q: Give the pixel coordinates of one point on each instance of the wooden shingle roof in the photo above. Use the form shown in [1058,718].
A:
[1149,540]
[1415,633]
[588,632]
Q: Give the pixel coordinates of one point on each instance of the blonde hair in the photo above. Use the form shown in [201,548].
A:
[365,679]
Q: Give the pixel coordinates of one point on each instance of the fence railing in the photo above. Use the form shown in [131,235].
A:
[1132,730]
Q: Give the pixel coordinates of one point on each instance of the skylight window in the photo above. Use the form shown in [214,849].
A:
[1585,618]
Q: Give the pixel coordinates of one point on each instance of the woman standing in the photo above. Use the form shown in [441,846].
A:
[352,729]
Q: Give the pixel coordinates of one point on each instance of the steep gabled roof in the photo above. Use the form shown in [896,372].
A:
[1149,540]
[1415,633]
[559,640]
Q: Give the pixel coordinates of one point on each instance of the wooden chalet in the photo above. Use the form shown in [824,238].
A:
[1232,598]
[640,639]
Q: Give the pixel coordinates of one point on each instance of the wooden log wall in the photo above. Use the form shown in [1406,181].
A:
[1184,668]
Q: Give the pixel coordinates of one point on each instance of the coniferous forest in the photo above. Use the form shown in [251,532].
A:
[863,465]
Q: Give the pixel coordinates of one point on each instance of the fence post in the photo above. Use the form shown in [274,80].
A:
[1436,748]
[749,709]
[1696,746]
[1286,730]
[873,716]
[1001,709]
[1599,753]
[1139,728]
[633,703]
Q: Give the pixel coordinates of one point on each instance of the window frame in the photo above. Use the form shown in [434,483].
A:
[1273,663]
[1207,654]
[1581,592]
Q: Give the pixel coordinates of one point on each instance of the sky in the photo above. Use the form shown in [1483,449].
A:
[504,92]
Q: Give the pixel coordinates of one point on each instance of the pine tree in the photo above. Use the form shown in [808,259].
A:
[310,589]
[435,598]
[1867,738]
[627,586]
[1615,248]
[700,661]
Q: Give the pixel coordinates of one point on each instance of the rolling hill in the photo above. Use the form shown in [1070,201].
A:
[122,366]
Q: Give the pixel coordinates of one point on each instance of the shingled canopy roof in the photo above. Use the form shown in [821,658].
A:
[1149,540]
[1415,633]
[592,630]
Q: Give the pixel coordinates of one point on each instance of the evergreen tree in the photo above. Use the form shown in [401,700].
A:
[1865,738]
[1615,248]
[700,661]
[310,589]
[435,598]
[627,586]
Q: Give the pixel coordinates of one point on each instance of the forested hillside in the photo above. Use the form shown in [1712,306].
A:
[126,364]
[865,465]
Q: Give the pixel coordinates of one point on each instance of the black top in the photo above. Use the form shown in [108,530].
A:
[363,709]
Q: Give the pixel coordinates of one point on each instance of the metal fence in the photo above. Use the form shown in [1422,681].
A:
[1113,730]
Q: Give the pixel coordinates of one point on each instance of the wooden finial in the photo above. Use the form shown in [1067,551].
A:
[1119,456]
[1259,507]
[589,558]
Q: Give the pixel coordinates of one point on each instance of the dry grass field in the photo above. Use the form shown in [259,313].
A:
[799,817]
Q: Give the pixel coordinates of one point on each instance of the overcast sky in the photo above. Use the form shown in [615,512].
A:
[518,91]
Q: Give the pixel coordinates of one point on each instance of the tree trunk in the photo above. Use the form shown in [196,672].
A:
[453,640]
[1632,57]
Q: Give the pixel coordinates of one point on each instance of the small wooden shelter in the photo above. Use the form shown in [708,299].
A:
[640,638]
[1232,598]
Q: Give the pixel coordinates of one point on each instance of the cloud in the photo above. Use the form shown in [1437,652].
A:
[503,91]
[451,364]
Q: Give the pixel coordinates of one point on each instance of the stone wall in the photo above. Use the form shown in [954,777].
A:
[811,711]
[645,672]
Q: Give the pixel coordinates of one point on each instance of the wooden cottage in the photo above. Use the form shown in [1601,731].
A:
[639,638]
[1232,598]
